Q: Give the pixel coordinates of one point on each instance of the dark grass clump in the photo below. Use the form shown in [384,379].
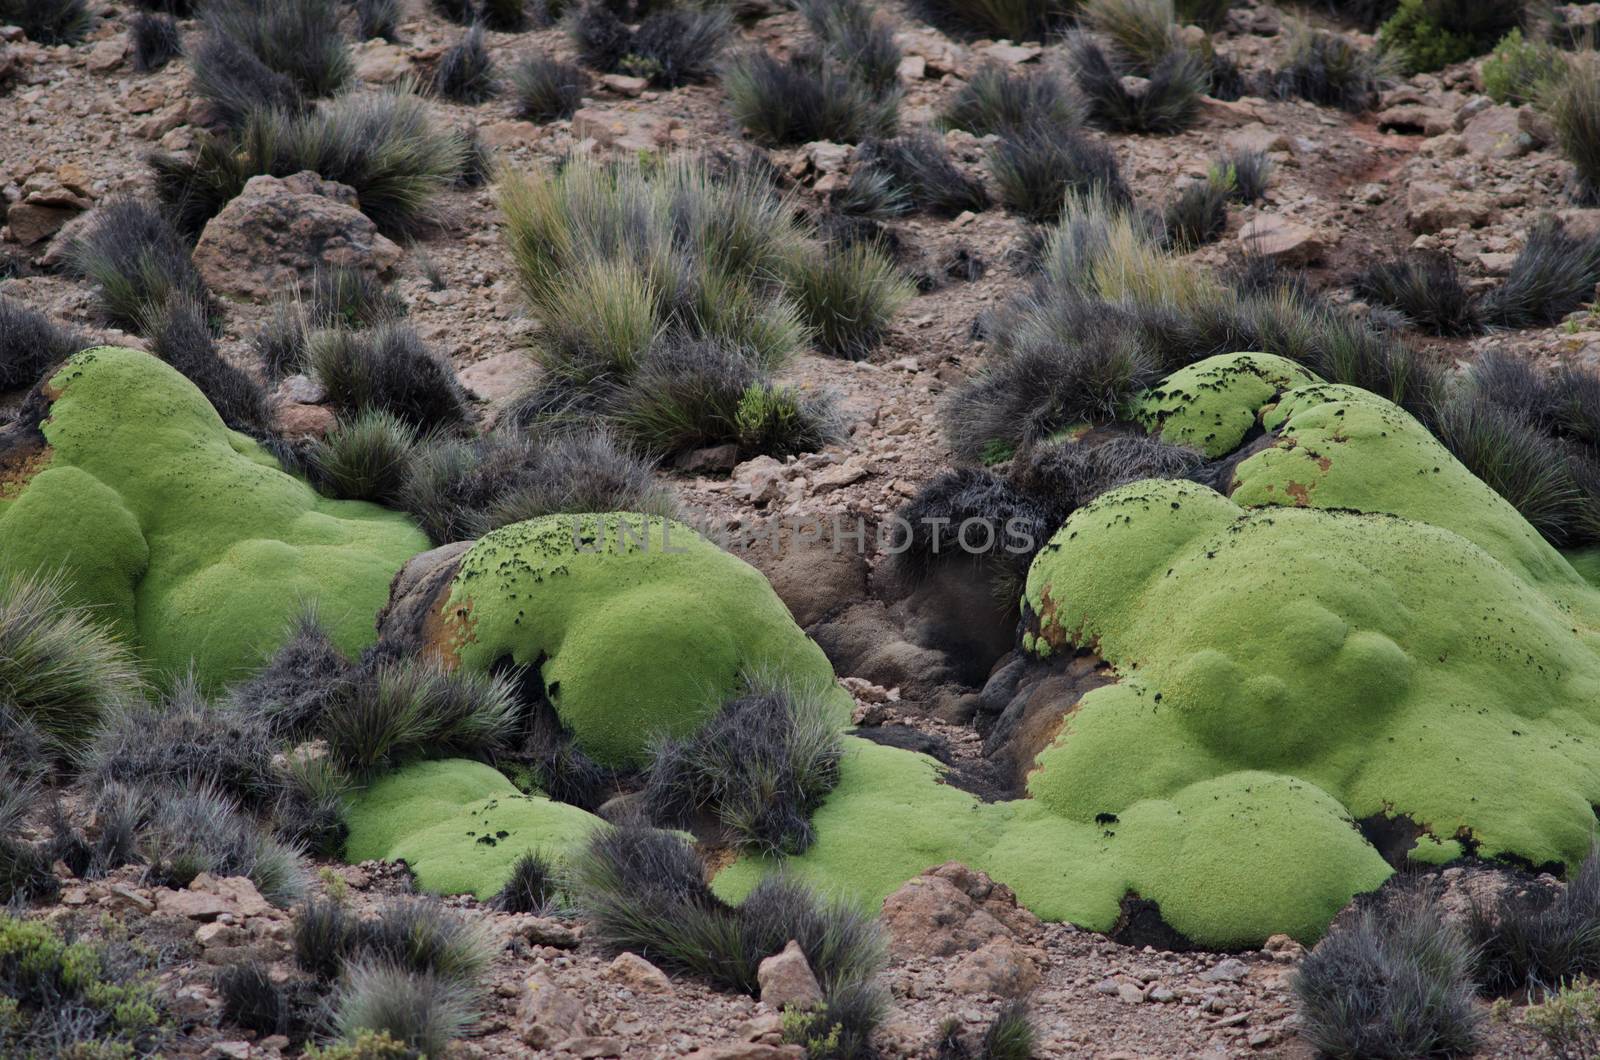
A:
[944,511]
[1209,15]
[847,297]
[367,458]
[410,709]
[805,98]
[996,100]
[1331,69]
[1065,476]
[236,82]
[1009,1036]
[252,1000]
[460,490]
[421,936]
[688,395]
[423,1013]
[311,811]
[31,344]
[1168,102]
[1037,168]
[1531,942]
[644,890]
[382,144]
[1394,982]
[1555,273]
[180,335]
[137,262]
[323,938]
[918,169]
[852,35]
[25,872]
[504,16]
[347,297]
[545,88]
[761,766]
[180,742]
[296,689]
[388,369]
[1141,32]
[156,41]
[49,21]
[1574,107]
[533,887]
[1427,35]
[1016,20]
[299,39]
[379,19]
[1247,174]
[672,46]
[1426,288]
[202,830]
[1197,215]
[462,11]
[466,73]
[60,671]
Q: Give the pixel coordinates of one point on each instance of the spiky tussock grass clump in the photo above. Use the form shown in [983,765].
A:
[181,741]
[997,100]
[382,144]
[533,887]
[30,344]
[1198,214]
[156,41]
[25,873]
[378,19]
[58,668]
[462,489]
[367,458]
[1396,981]
[762,766]
[422,1012]
[49,21]
[1426,288]
[672,46]
[1246,173]
[387,369]
[323,937]
[545,88]
[342,296]
[236,82]
[919,173]
[1168,102]
[853,35]
[466,72]
[1011,19]
[422,936]
[296,688]
[1528,943]
[299,39]
[412,709]
[311,811]
[1331,69]
[805,98]
[1143,32]
[644,890]
[202,830]
[252,1000]
[180,335]
[847,297]
[1009,1036]
[1574,107]
[1038,167]
[504,16]
[1554,274]
[136,260]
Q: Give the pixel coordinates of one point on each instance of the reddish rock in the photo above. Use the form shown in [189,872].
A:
[787,980]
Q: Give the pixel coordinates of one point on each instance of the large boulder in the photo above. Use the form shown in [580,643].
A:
[188,538]
[279,232]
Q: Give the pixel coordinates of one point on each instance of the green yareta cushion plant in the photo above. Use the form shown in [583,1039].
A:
[186,538]
[640,627]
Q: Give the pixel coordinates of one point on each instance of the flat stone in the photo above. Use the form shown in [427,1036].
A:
[1496,133]
[1228,970]
[238,891]
[305,421]
[496,377]
[1282,240]
[1257,137]
[623,85]
[623,130]
[510,133]
[635,972]
[380,62]
[193,905]
[1416,119]
[1013,54]
[913,68]
[1431,207]
[32,223]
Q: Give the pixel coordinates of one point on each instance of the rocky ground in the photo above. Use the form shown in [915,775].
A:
[1437,165]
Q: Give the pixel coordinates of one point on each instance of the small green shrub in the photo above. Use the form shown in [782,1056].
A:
[1569,1020]
[1574,105]
[1515,71]
[1428,35]
[49,21]
[64,998]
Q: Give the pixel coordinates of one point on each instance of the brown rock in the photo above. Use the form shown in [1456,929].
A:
[624,130]
[787,980]
[1416,119]
[1431,207]
[1001,968]
[932,917]
[496,377]
[913,68]
[1257,137]
[710,459]
[219,935]
[510,133]
[1496,132]
[1282,240]
[592,1048]
[107,54]
[236,890]
[192,905]
[278,233]
[623,85]
[1013,54]
[1233,113]
[748,1051]
[548,1014]
[996,899]
[636,973]
[380,62]
[549,931]
[305,421]
[31,223]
